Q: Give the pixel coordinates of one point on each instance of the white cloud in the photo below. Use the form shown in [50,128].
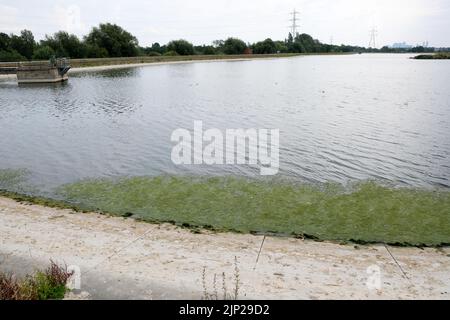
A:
[9,22]
[69,19]
[203,21]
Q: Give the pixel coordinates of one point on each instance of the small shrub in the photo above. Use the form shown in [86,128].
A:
[11,56]
[225,295]
[438,56]
[43,53]
[9,287]
[442,55]
[51,284]
[28,289]
[58,275]
[47,289]
[181,47]
[424,57]
[171,53]
[43,285]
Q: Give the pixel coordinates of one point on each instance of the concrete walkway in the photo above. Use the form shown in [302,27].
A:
[124,259]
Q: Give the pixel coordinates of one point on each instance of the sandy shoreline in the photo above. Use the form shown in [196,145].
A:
[123,258]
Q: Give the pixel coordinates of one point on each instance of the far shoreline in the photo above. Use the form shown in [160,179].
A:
[103,64]
[87,64]
[160,63]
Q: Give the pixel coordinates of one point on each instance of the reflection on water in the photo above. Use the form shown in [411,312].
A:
[342,118]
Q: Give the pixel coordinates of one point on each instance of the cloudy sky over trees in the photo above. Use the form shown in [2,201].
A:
[202,21]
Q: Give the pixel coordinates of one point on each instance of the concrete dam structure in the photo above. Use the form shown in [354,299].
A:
[52,71]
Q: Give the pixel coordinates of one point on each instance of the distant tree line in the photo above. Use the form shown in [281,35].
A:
[110,40]
[416,49]
[106,40]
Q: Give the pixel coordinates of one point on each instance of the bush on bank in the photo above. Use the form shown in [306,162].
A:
[49,284]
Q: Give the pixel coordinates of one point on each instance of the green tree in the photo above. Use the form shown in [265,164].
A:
[387,49]
[205,50]
[5,41]
[94,51]
[304,43]
[156,47]
[307,42]
[43,53]
[218,45]
[155,50]
[23,44]
[117,41]
[265,47]
[281,46]
[234,46]
[65,45]
[182,47]
[290,43]
[11,56]
[419,49]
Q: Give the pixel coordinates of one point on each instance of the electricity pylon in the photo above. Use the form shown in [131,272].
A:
[373,38]
[294,27]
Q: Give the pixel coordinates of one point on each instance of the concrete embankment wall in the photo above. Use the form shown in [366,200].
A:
[37,75]
[79,63]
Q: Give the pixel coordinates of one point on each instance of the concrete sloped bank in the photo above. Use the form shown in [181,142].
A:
[123,258]
[102,64]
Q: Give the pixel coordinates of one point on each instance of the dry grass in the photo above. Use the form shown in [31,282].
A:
[9,287]
[49,284]
[225,295]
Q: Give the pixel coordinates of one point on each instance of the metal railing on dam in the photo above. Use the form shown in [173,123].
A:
[54,70]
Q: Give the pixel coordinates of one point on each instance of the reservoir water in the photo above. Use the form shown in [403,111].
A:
[341,119]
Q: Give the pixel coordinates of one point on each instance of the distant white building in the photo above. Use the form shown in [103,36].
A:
[401,45]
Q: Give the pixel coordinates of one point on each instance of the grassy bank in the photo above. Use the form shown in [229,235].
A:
[436,56]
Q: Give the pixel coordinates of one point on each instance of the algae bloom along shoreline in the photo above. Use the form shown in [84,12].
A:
[364,212]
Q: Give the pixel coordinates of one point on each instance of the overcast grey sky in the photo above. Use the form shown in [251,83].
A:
[202,21]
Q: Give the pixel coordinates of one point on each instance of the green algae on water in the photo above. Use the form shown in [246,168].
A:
[365,212]
[13,179]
